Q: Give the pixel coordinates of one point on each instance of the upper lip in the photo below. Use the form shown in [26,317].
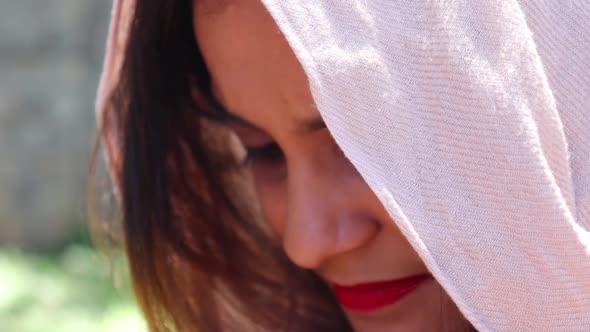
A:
[350,283]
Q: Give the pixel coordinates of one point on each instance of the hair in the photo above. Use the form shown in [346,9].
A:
[199,257]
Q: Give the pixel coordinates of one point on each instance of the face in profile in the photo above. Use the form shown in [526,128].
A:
[325,215]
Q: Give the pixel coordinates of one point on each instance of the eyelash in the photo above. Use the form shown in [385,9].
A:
[270,152]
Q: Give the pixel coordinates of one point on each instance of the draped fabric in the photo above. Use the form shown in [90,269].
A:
[470,120]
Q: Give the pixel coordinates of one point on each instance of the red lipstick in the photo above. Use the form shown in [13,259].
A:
[372,296]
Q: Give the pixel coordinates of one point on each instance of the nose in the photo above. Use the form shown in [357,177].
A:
[328,215]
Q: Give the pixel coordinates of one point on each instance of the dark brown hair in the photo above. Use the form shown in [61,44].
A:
[200,259]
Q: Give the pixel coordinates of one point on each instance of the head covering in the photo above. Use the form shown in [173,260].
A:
[469,120]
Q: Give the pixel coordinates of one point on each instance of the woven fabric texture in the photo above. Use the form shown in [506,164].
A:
[470,121]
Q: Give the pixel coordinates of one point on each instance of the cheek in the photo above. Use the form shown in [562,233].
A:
[273,203]
[272,181]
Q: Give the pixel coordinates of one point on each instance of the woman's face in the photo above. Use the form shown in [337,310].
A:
[327,218]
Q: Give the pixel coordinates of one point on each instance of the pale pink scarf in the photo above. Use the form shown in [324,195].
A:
[470,121]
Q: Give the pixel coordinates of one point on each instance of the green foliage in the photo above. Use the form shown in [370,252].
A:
[65,290]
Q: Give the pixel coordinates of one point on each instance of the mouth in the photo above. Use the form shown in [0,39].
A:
[367,297]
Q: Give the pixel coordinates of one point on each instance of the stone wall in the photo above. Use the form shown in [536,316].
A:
[50,58]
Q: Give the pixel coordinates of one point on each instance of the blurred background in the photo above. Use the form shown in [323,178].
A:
[51,277]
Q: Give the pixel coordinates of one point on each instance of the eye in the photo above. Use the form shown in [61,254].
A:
[266,162]
[267,153]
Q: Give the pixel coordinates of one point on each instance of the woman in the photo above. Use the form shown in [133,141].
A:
[415,166]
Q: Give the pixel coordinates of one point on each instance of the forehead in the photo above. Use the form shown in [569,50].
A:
[236,32]
[251,64]
[243,26]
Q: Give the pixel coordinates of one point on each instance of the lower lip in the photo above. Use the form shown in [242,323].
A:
[372,296]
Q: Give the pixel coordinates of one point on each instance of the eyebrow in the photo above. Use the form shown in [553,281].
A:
[306,125]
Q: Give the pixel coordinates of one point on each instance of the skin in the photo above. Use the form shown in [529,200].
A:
[321,209]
